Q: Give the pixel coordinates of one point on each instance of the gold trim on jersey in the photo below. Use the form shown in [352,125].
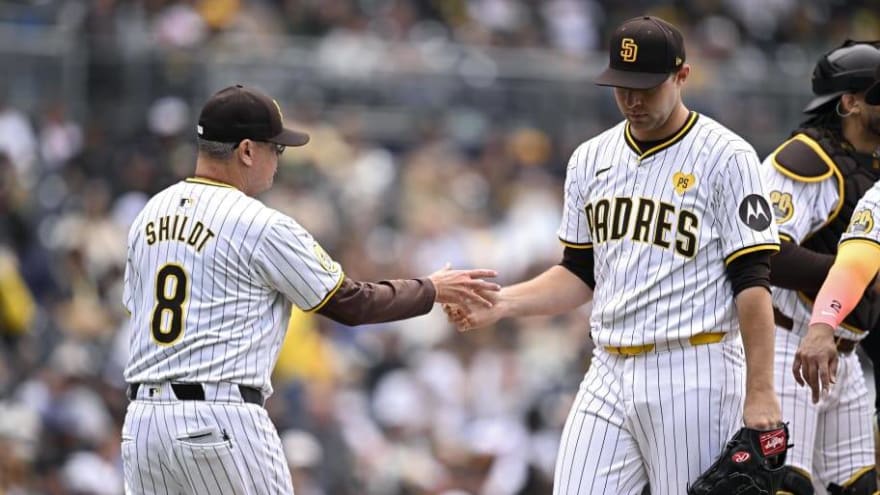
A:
[785,237]
[328,296]
[208,182]
[689,124]
[812,145]
[574,245]
[858,474]
[750,249]
[863,240]
[832,170]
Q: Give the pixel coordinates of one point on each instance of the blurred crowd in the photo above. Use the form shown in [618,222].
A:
[571,26]
[410,408]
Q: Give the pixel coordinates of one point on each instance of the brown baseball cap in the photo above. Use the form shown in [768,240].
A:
[239,112]
[872,96]
[642,53]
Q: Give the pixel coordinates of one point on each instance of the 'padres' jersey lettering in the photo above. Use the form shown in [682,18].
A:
[210,281]
[663,223]
[175,229]
[647,221]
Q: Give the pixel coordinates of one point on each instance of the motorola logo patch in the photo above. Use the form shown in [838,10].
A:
[754,211]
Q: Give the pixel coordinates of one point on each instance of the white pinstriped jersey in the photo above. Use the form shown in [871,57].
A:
[209,282]
[801,208]
[862,225]
[662,224]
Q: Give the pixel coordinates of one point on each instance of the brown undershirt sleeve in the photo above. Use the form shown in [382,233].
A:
[358,303]
[749,270]
[581,263]
[798,268]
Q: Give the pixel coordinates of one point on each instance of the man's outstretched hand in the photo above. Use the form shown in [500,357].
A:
[464,287]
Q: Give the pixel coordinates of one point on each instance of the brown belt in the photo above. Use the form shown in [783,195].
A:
[195,391]
[844,346]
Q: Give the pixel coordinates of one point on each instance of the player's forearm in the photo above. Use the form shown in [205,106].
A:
[553,292]
[359,303]
[755,313]
[853,271]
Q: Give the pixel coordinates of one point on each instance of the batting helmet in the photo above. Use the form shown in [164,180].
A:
[872,96]
[848,68]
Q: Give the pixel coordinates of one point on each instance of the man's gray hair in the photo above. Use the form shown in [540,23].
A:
[215,149]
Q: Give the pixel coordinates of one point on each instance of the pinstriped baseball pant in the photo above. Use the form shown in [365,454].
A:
[660,418]
[834,438]
[174,447]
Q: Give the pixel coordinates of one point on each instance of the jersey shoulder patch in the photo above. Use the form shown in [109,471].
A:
[803,159]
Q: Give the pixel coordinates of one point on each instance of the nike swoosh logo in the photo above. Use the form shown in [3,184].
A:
[602,171]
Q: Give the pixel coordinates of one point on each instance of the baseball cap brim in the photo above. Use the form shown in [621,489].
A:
[872,96]
[630,79]
[820,101]
[289,137]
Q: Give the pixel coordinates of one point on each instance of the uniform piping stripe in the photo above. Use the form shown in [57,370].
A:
[815,147]
[750,249]
[328,296]
[861,240]
[208,182]
[588,245]
[858,474]
[692,119]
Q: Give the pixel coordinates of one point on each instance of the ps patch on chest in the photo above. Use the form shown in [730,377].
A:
[683,182]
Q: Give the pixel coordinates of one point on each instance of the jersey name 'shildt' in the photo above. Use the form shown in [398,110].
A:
[223,272]
[177,229]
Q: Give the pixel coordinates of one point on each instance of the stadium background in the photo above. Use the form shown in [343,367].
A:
[440,132]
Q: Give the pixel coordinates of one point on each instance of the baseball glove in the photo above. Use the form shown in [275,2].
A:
[751,464]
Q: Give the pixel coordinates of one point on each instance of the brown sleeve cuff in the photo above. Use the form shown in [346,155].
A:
[358,303]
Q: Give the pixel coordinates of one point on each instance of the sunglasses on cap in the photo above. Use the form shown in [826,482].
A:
[279,148]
